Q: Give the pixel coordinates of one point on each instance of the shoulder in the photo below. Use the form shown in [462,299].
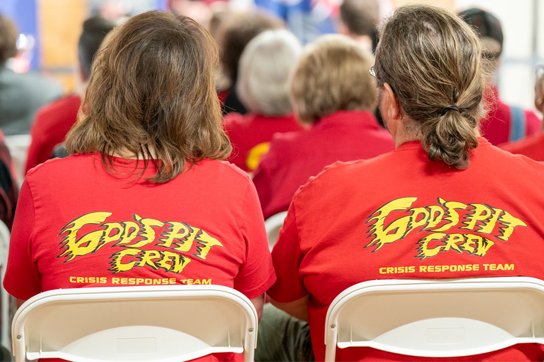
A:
[221,170]
[57,166]
[511,157]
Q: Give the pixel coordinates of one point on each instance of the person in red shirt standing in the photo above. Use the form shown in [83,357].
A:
[334,95]
[54,120]
[532,146]
[436,207]
[145,197]
[266,67]
[503,123]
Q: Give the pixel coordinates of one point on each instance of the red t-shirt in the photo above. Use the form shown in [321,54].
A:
[52,123]
[532,147]
[77,225]
[497,126]
[294,157]
[251,134]
[400,215]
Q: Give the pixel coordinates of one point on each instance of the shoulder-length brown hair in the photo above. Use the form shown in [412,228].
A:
[151,95]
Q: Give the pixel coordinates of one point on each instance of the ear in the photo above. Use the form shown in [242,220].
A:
[390,109]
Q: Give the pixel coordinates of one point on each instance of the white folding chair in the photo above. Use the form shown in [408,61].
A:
[273,226]
[5,298]
[143,323]
[439,318]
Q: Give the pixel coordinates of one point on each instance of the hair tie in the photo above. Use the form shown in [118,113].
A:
[450,108]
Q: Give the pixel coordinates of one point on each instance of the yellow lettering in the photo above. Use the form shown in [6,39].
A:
[173,231]
[424,251]
[489,226]
[148,257]
[507,223]
[478,214]
[508,266]
[130,232]
[204,244]
[87,243]
[436,213]
[451,215]
[396,230]
[117,260]
[147,231]
[416,213]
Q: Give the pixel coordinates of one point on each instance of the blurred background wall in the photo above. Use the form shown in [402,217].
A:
[50,30]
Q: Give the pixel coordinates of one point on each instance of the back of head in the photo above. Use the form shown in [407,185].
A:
[8,39]
[236,32]
[433,62]
[489,28]
[265,71]
[151,95]
[95,30]
[360,16]
[332,75]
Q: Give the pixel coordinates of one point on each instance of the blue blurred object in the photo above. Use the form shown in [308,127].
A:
[161,4]
[24,14]
[307,19]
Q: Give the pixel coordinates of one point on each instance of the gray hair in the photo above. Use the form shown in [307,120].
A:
[265,71]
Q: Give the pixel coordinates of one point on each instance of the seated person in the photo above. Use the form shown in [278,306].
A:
[233,34]
[438,199]
[144,193]
[532,146]
[21,95]
[358,20]
[334,96]
[266,67]
[55,119]
[503,123]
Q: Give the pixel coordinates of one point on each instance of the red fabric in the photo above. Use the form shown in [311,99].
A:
[52,123]
[250,135]
[222,95]
[355,220]
[97,229]
[532,147]
[495,127]
[294,157]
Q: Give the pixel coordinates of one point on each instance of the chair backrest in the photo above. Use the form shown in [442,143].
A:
[5,298]
[273,226]
[439,318]
[143,323]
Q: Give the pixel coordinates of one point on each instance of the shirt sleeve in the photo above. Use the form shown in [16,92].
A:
[22,278]
[287,257]
[257,274]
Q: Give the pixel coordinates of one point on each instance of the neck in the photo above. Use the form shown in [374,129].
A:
[403,136]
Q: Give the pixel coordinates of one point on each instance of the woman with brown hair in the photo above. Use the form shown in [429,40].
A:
[144,199]
[444,204]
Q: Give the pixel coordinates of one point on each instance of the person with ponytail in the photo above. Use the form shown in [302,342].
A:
[445,204]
